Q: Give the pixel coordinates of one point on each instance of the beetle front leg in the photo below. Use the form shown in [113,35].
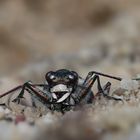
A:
[30,88]
[89,82]
[105,90]
[21,94]
[85,88]
[104,75]
[34,91]
[17,88]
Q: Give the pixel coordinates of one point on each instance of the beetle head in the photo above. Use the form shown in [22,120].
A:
[62,83]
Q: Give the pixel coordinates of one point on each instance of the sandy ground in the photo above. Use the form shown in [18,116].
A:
[37,36]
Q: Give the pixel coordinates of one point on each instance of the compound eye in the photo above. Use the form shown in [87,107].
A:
[50,75]
[75,75]
[71,77]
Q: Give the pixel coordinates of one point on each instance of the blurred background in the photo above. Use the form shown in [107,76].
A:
[37,36]
[82,35]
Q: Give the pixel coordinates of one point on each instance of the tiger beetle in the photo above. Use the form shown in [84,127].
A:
[64,89]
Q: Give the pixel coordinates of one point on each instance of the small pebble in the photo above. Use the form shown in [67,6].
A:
[2,110]
[19,119]
[129,84]
[7,111]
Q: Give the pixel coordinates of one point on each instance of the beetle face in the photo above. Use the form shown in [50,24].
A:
[62,83]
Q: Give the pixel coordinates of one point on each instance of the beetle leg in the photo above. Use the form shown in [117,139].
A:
[102,74]
[89,82]
[106,89]
[21,94]
[85,88]
[34,91]
[11,91]
[19,87]
[103,91]
[30,88]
